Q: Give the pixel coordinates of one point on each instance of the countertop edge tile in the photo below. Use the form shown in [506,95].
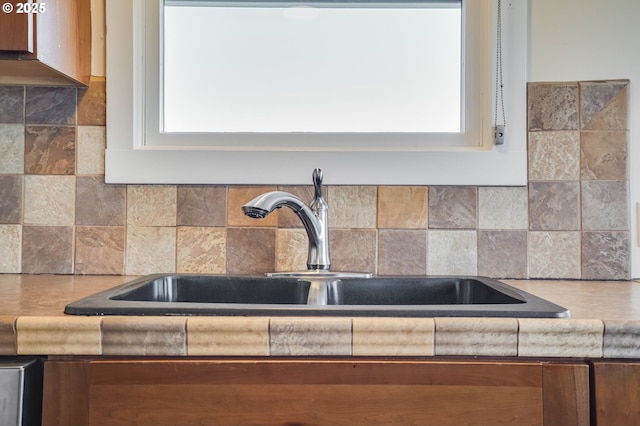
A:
[550,337]
[476,336]
[228,336]
[621,339]
[58,335]
[292,336]
[154,336]
[393,336]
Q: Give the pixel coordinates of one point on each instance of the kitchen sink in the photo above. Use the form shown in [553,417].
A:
[402,296]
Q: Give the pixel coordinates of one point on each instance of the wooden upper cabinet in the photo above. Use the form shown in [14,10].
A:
[45,43]
[16,29]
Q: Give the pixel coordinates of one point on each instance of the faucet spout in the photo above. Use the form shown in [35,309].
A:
[314,219]
[263,204]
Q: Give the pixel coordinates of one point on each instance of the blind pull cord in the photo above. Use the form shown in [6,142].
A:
[499,129]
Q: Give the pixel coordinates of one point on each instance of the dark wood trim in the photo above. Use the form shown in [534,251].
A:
[66,393]
[566,394]
[616,393]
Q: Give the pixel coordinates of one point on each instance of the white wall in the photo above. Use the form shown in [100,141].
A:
[573,40]
[98,57]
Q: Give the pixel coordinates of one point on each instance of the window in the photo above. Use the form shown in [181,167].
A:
[150,141]
[300,68]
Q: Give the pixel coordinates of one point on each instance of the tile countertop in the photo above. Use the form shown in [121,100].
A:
[605,322]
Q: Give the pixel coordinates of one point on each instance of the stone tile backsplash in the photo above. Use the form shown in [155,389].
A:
[571,221]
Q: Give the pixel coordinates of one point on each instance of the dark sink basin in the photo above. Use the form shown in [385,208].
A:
[214,289]
[379,296]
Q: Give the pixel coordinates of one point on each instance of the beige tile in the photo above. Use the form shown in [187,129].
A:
[502,254]
[402,207]
[352,206]
[554,206]
[251,250]
[554,155]
[90,150]
[11,147]
[621,339]
[503,208]
[150,250]
[47,250]
[151,205]
[476,336]
[402,251]
[100,250]
[393,336]
[552,337]
[11,195]
[552,106]
[227,336]
[353,250]
[92,103]
[604,155]
[50,150]
[452,207]
[237,197]
[201,250]
[605,206]
[202,205]
[49,200]
[59,335]
[99,203]
[146,336]
[554,254]
[11,243]
[452,252]
[292,246]
[604,105]
[606,255]
[8,338]
[309,337]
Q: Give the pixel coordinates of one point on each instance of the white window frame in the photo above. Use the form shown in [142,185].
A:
[132,155]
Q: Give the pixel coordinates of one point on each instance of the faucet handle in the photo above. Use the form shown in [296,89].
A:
[317,182]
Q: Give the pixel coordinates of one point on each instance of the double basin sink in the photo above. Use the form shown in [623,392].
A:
[422,296]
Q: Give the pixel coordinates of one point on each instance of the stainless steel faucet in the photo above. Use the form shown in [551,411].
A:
[314,218]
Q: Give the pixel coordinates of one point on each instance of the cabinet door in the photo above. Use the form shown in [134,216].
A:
[617,393]
[313,392]
[50,47]
[16,28]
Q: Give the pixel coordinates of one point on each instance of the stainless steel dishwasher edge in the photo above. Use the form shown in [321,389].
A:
[21,391]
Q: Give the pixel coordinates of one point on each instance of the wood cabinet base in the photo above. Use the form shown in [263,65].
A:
[617,393]
[313,392]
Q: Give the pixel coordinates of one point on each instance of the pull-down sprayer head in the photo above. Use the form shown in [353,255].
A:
[254,212]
